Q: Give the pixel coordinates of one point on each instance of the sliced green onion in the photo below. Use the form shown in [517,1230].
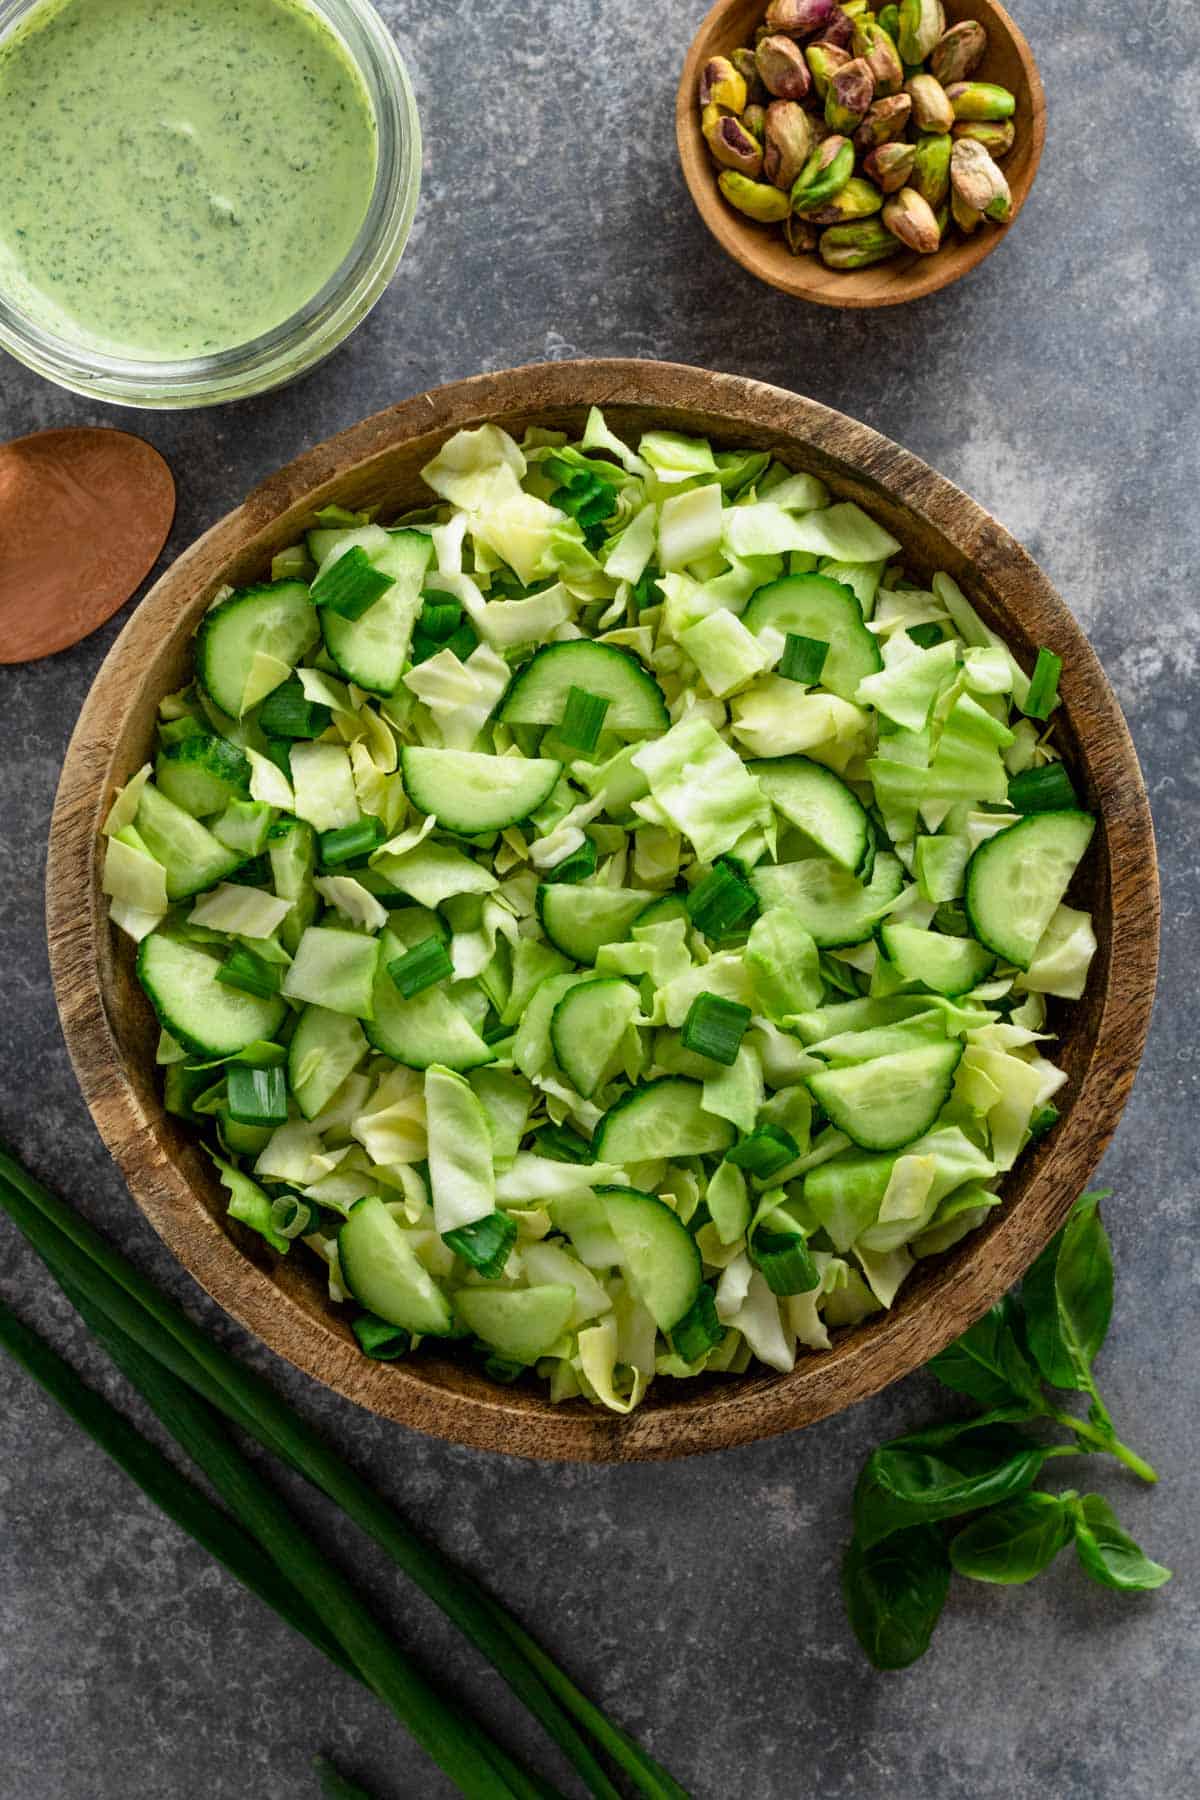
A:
[785,1260]
[440,617]
[254,873]
[803,659]
[766,1150]
[463,641]
[951,918]
[351,585]
[583,717]
[699,1330]
[719,902]
[422,967]
[348,842]
[256,1096]
[701,1217]
[585,497]
[485,1244]
[579,866]
[288,713]
[926,635]
[280,752]
[1043,685]
[250,974]
[1042,1120]
[1048,789]
[715,1027]
[422,648]
[379,1340]
[563,1144]
[74,1248]
[293,1216]
[502,1368]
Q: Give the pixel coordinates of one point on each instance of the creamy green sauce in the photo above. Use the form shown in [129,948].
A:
[177,176]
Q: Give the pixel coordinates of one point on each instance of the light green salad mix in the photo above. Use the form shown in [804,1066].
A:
[606,915]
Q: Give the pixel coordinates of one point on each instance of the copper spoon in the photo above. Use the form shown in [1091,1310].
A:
[84,513]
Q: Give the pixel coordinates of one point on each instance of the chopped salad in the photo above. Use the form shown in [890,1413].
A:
[608,914]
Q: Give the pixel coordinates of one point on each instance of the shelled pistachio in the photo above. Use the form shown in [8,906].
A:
[860,130]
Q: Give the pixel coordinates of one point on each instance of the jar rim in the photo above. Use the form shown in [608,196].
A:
[315,329]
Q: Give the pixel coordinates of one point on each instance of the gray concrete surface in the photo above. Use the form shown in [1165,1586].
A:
[699,1601]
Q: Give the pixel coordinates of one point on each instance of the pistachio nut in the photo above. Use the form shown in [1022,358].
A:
[890,165]
[755,120]
[996,135]
[839,31]
[980,100]
[922,23]
[857,246]
[824,61]
[799,235]
[799,18]
[851,92]
[889,19]
[825,174]
[743,61]
[721,85]
[931,169]
[757,199]
[932,111]
[734,147]
[879,53]
[885,120]
[782,68]
[980,181]
[789,143]
[912,220]
[964,216]
[859,199]
[958,52]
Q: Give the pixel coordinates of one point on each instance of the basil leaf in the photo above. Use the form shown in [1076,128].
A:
[987,1363]
[1068,1298]
[1013,1542]
[894,1594]
[1108,1554]
[899,1487]
[933,1437]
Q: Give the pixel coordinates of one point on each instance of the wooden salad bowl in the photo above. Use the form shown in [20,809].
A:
[761,249]
[111,1032]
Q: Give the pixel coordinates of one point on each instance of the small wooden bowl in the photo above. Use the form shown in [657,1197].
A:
[761,249]
[111,1032]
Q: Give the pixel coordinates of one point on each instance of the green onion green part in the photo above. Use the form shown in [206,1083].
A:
[764,1151]
[422,967]
[346,843]
[720,902]
[288,713]
[785,1260]
[485,1244]
[257,1096]
[379,1340]
[1043,685]
[715,1027]
[583,718]
[351,585]
[250,974]
[699,1330]
[803,659]
[1048,789]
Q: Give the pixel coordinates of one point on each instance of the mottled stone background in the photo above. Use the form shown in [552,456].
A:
[698,1601]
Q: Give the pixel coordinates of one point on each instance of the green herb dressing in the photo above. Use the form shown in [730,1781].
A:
[177,176]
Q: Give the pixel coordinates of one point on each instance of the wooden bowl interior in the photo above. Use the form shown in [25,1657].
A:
[761,249]
[112,1033]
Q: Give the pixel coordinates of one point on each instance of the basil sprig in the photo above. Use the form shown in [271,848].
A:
[960,1496]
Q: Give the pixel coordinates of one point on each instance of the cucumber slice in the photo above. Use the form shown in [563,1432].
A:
[587,1029]
[326,1047]
[202,774]
[947,965]
[203,1014]
[663,1118]
[584,1218]
[815,606]
[658,1253]
[834,907]
[278,619]
[856,1015]
[521,1323]
[578,918]
[382,1271]
[661,911]
[429,1028]
[815,799]
[371,651]
[892,1100]
[469,792]
[882,1040]
[539,692]
[1015,880]
[292,849]
[192,857]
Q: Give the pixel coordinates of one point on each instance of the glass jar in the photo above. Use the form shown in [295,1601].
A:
[318,327]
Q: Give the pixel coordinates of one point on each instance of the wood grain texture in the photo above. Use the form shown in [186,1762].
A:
[84,513]
[111,1033]
[761,249]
